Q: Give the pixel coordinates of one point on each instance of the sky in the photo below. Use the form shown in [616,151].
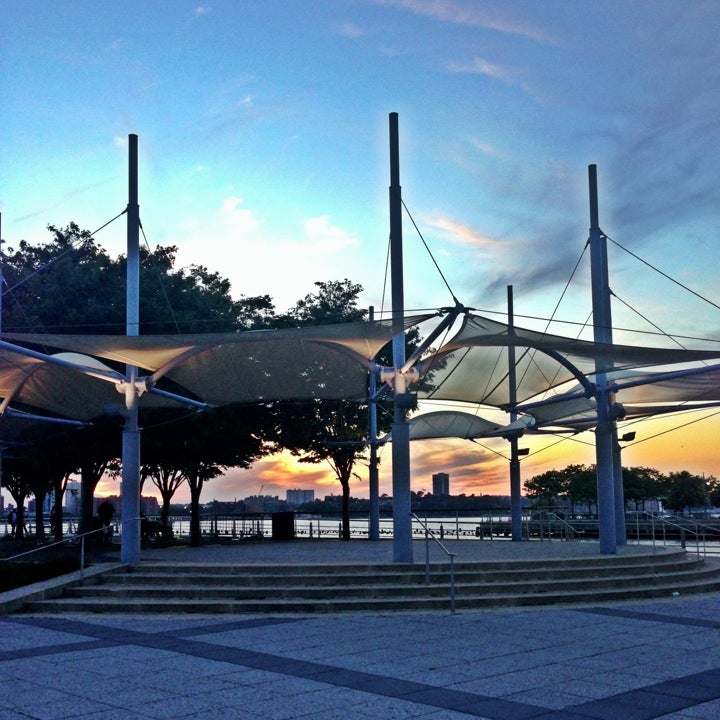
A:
[263,152]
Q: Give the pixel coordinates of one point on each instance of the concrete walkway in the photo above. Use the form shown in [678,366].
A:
[365,551]
[634,661]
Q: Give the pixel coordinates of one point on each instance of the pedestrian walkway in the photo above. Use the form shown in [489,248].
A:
[622,661]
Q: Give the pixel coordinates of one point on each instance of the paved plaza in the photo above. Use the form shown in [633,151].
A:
[631,660]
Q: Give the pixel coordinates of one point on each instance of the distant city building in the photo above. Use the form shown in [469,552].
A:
[299,497]
[149,505]
[441,484]
[72,498]
[264,503]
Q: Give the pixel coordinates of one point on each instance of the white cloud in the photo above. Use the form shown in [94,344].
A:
[238,219]
[322,234]
[201,10]
[260,257]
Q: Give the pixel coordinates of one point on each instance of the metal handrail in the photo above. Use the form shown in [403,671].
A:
[429,534]
[564,522]
[682,528]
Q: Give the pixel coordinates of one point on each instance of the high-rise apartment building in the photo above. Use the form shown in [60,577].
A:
[441,484]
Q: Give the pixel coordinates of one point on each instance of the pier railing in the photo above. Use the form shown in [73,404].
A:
[656,528]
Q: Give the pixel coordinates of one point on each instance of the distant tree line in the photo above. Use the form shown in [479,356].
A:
[576,485]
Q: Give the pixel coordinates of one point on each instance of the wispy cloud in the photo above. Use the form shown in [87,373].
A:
[350,30]
[478,66]
[463,13]
[201,10]
[462,233]
[322,234]
[486,148]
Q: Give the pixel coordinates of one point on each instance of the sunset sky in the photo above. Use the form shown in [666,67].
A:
[263,135]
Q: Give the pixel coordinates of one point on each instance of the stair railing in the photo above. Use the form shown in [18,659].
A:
[569,528]
[429,534]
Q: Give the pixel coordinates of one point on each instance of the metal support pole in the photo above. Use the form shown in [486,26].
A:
[130,490]
[373,474]
[602,332]
[515,496]
[402,524]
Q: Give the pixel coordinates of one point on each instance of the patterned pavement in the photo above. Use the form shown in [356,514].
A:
[620,661]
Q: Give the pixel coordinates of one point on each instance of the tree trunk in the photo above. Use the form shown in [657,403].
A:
[165,514]
[20,509]
[39,518]
[195,484]
[345,534]
[165,509]
[89,478]
[57,513]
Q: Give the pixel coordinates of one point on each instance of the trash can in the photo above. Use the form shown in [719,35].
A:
[283,526]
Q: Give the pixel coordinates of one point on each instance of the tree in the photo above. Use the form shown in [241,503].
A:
[201,446]
[37,462]
[581,485]
[547,488]
[685,491]
[642,484]
[713,491]
[72,267]
[167,480]
[17,480]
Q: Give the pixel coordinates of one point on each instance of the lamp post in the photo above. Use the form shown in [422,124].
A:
[618,482]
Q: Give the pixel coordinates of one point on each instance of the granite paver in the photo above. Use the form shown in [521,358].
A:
[635,660]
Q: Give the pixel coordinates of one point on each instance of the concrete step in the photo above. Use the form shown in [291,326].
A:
[380,604]
[466,573]
[368,590]
[666,556]
[195,588]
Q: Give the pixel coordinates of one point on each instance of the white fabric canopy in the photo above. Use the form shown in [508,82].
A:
[555,374]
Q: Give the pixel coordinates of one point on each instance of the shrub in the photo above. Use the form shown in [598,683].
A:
[25,571]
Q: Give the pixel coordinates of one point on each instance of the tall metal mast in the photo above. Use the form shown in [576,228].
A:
[402,521]
[602,333]
[373,474]
[515,489]
[130,491]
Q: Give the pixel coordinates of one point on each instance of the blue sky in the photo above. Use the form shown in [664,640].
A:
[263,132]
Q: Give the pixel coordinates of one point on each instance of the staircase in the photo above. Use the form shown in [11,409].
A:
[155,587]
